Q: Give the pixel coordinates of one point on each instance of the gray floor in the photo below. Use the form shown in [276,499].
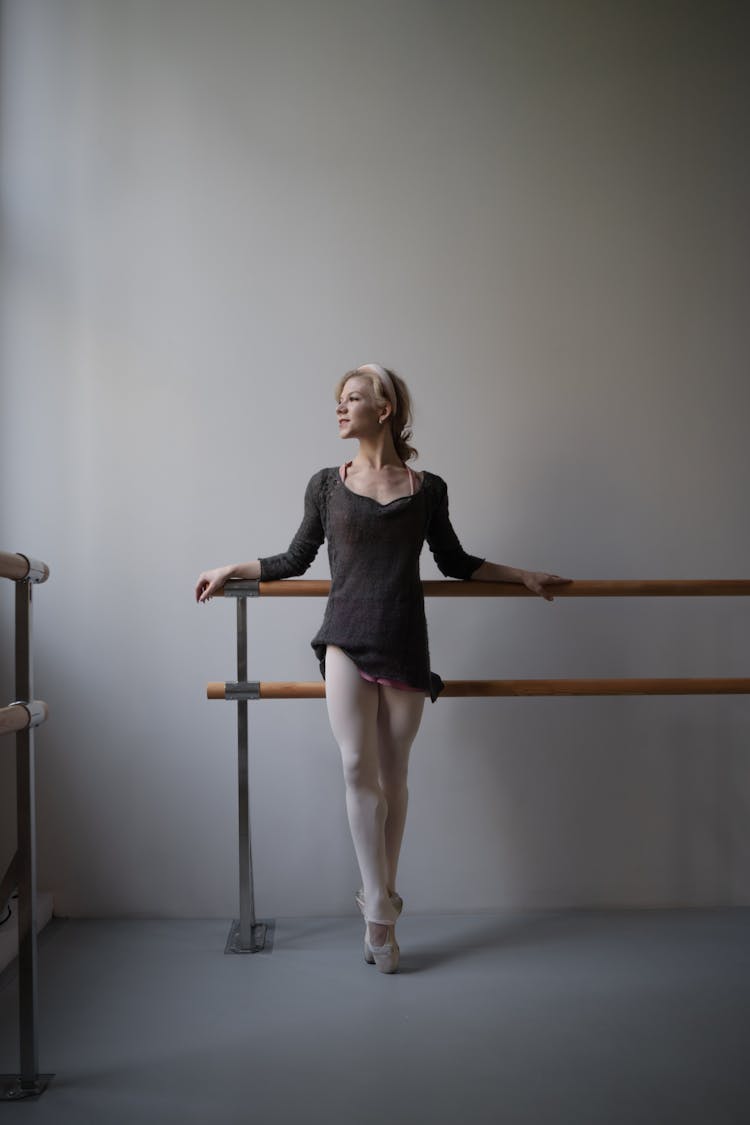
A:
[544,1018]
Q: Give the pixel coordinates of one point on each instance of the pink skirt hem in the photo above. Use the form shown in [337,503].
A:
[389,683]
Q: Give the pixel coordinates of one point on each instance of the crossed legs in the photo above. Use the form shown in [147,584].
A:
[374,727]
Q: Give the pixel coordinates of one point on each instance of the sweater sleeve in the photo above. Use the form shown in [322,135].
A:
[451,558]
[306,543]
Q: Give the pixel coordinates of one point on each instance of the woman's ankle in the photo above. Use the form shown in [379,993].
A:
[379,933]
[381,910]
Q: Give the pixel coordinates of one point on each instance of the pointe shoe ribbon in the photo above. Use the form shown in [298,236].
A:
[396,901]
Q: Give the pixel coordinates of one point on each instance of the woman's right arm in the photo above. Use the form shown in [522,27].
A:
[211,581]
[302,550]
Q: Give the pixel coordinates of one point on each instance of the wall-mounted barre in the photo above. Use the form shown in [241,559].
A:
[249,936]
[449,588]
[476,689]
[21,717]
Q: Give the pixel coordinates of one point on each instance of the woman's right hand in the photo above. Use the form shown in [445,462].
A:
[211,581]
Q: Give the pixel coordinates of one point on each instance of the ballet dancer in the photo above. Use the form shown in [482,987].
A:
[376,512]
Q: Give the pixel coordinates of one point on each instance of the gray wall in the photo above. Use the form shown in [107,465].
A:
[537,212]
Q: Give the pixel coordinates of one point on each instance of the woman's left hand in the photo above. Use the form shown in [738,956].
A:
[537,581]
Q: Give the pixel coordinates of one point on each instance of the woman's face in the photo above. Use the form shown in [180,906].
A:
[358,416]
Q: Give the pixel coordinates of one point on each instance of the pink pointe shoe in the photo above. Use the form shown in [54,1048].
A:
[384,957]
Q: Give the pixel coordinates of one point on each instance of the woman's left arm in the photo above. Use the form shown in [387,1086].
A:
[455,562]
[537,581]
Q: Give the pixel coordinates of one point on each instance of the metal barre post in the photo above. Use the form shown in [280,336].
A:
[27,919]
[29,1083]
[246,934]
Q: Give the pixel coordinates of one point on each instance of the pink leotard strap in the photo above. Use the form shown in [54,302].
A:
[411,480]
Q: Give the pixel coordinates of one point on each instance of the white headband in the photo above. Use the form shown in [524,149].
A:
[386,381]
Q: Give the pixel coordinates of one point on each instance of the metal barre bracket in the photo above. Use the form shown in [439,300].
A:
[14,1088]
[38,571]
[242,588]
[260,939]
[36,710]
[243,690]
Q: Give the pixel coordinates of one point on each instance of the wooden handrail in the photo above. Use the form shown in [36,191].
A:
[606,588]
[629,588]
[19,567]
[314,689]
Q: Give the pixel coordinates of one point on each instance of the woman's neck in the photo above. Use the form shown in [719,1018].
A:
[377,453]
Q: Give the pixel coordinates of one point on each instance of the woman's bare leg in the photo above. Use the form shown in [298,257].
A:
[353,713]
[399,716]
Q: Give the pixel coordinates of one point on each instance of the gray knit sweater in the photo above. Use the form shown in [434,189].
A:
[375,610]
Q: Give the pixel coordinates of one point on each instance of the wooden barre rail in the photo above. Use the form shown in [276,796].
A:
[450,588]
[488,688]
[19,567]
[18,716]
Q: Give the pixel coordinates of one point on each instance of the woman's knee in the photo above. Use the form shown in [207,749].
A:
[359,768]
[394,770]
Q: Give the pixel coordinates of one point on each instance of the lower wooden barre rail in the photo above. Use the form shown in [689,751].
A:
[490,688]
[450,588]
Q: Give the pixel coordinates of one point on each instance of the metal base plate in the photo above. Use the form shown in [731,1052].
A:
[12,1089]
[261,940]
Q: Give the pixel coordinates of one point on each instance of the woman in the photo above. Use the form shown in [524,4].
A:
[376,513]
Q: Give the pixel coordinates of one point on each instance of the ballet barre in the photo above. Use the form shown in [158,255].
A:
[247,934]
[20,718]
[478,689]
[449,588]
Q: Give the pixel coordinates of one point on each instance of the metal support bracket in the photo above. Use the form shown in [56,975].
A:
[38,571]
[13,1088]
[242,691]
[37,711]
[242,588]
[261,938]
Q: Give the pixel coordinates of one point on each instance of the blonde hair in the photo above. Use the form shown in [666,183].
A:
[401,417]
